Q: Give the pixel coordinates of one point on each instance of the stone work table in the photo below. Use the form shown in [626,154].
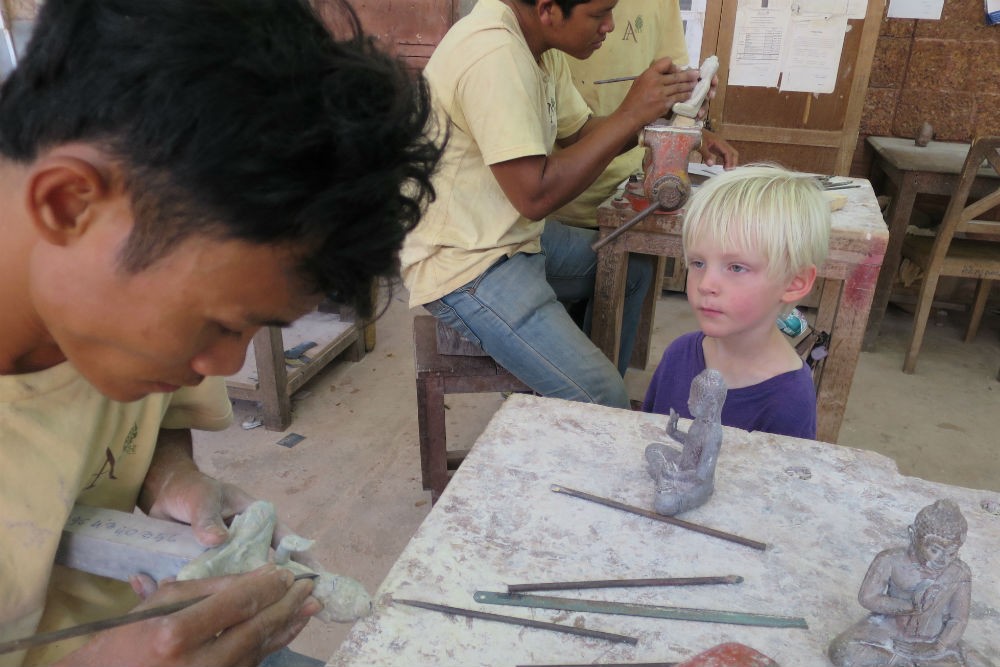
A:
[823,510]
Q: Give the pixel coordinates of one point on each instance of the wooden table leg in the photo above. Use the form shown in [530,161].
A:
[272,378]
[899,217]
[846,333]
[609,297]
[644,334]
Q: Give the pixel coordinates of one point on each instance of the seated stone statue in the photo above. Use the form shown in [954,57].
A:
[685,479]
[919,596]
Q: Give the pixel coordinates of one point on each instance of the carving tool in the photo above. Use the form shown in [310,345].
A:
[618,78]
[639,217]
[25,643]
[680,523]
[624,583]
[645,610]
[513,620]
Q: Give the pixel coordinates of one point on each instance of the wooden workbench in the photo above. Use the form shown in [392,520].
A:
[913,170]
[857,244]
[823,510]
[266,379]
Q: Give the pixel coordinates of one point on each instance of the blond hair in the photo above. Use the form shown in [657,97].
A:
[766,209]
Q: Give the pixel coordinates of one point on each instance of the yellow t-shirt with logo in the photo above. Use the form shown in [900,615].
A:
[645,30]
[496,104]
[62,443]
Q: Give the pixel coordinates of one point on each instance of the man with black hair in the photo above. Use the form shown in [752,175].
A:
[174,175]
[484,260]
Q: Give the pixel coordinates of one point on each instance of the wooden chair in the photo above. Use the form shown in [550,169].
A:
[448,364]
[964,246]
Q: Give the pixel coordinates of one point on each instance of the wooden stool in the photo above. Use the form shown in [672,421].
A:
[439,374]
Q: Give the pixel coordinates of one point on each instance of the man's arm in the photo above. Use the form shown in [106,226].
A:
[537,185]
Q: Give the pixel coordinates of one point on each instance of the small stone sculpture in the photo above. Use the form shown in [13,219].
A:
[924,134]
[919,596]
[692,105]
[686,479]
[249,546]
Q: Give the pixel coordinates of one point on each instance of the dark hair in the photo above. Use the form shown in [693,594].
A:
[565,5]
[237,119]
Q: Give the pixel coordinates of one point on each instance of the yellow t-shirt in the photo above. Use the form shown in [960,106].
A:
[62,442]
[497,104]
[645,30]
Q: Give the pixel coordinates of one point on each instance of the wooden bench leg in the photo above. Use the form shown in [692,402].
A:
[433,439]
[272,378]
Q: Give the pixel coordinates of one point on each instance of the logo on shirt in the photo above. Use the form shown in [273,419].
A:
[632,28]
[108,467]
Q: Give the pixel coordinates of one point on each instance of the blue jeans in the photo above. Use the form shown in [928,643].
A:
[513,311]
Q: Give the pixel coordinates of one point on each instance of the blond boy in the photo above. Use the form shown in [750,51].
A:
[753,239]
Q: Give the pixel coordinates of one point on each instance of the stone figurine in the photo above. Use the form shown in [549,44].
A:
[924,134]
[249,547]
[919,597]
[685,479]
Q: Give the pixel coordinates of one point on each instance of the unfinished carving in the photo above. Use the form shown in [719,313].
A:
[919,596]
[686,479]
[692,106]
[249,545]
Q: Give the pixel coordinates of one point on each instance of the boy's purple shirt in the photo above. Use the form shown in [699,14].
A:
[784,404]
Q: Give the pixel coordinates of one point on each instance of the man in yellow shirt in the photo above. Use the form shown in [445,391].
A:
[174,176]
[483,259]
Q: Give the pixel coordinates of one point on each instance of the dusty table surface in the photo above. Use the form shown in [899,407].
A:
[824,511]
[944,157]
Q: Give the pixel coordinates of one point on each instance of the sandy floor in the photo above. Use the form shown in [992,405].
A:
[354,484]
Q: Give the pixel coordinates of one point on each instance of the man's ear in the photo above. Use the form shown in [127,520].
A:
[63,193]
[800,284]
[548,11]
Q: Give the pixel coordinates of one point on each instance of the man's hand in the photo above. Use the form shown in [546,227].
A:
[244,618]
[714,148]
[175,489]
[655,91]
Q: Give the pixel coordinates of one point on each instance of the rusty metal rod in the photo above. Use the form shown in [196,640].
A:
[618,78]
[680,523]
[640,216]
[513,620]
[625,583]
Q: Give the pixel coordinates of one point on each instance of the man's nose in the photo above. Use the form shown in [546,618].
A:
[224,357]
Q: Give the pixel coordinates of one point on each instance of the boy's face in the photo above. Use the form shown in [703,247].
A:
[190,314]
[732,293]
[582,32]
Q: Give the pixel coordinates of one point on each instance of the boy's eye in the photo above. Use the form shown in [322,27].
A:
[696,263]
[737,268]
